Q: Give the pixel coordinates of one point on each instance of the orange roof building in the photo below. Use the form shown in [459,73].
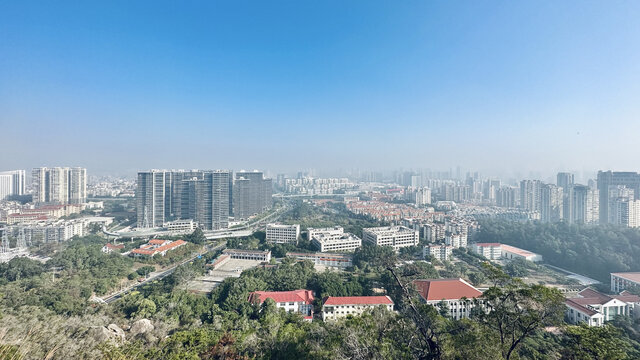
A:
[456,294]
[296,301]
[156,246]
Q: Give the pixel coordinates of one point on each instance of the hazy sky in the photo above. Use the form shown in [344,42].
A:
[492,85]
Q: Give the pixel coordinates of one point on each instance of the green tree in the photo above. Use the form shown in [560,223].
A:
[515,311]
[583,342]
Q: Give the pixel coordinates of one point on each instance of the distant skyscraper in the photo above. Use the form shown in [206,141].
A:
[564,180]
[251,194]
[583,207]
[507,196]
[203,196]
[551,200]
[12,183]
[619,204]
[153,198]
[608,178]
[530,195]
[59,185]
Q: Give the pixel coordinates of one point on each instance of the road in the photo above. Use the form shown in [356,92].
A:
[156,276]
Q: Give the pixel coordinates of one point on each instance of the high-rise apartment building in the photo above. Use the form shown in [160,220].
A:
[251,194]
[12,183]
[606,179]
[565,180]
[551,203]
[203,196]
[530,195]
[507,196]
[582,205]
[59,185]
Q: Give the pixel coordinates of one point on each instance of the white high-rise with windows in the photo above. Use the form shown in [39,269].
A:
[12,183]
[59,185]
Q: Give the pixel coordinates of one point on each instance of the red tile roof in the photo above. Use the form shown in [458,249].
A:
[305,296]
[113,246]
[580,307]
[157,241]
[515,250]
[358,300]
[487,244]
[143,252]
[446,289]
[170,246]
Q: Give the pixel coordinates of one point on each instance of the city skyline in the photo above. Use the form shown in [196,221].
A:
[525,86]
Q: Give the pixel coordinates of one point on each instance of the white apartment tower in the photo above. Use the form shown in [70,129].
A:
[59,185]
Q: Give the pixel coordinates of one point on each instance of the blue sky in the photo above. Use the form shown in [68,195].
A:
[490,85]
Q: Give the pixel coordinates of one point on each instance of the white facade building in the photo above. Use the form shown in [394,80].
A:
[296,301]
[182,226]
[283,234]
[312,232]
[594,308]
[492,251]
[338,243]
[456,294]
[324,259]
[456,240]
[439,252]
[337,307]
[624,280]
[394,236]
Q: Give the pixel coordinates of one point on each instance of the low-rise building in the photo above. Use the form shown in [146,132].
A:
[624,280]
[337,307]
[496,251]
[108,248]
[182,226]
[324,259]
[595,308]
[456,294]
[492,251]
[313,232]
[296,301]
[512,252]
[337,243]
[283,234]
[157,247]
[257,255]
[394,236]
[439,252]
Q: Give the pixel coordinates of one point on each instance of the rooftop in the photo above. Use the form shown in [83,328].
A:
[515,250]
[631,276]
[358,300]
[446,289]
[305,296]
[487,244]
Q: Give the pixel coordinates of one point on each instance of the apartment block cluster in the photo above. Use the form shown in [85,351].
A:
[109,187]
[305,185]
[208,197]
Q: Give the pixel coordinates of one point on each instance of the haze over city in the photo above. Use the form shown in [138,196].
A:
[500,87]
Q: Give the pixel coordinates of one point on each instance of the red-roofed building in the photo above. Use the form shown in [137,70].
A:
[109,247]
[156,246]
[594,308]
[457,294]
[336,307]
[296,301]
